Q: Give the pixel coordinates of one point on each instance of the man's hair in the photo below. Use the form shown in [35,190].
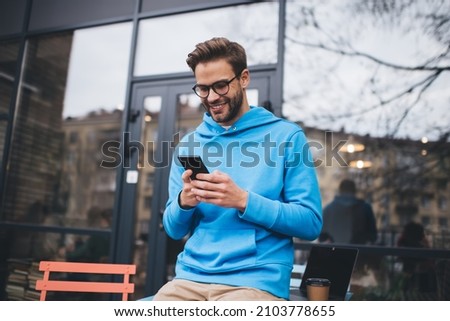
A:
[218,48]
[347,186]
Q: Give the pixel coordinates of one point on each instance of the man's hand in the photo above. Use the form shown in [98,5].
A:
[187,197]
[216,188]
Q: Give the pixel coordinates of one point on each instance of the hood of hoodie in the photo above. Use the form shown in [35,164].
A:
[255,117]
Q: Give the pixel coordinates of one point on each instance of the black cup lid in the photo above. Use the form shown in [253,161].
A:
[318,282]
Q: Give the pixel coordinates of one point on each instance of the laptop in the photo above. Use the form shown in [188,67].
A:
[333,263]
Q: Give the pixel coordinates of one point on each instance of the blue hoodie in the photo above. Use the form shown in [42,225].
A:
[270,158]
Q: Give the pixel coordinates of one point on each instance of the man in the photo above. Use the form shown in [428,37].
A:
[349,219]
[260,193]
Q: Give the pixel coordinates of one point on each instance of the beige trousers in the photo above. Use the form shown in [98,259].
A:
[183,290]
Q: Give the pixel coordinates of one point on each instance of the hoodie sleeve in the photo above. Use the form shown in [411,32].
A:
[176,220]
[298,211]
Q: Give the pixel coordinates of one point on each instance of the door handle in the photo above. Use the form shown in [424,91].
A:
[134,114]
[161,213]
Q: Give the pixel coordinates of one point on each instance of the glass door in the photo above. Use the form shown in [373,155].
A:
[165,112]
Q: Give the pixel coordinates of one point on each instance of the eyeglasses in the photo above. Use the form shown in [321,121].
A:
[220,87]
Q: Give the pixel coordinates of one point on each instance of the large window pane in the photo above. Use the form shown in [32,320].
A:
[380,84]
[162,48]
[369,83]
[97,74]
[383,88]
[71,101]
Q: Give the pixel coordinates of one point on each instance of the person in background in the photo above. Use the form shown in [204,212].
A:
[418,272]
[348,219]
[96,247]
[261,191]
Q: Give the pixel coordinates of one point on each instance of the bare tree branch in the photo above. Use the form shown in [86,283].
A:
[425,83]
[422,67]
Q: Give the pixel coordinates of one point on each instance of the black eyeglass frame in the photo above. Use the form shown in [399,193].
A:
[227,82]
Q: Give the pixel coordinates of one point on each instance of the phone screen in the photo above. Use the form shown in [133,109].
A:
[194,163]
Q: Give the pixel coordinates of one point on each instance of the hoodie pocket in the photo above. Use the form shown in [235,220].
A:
[211,250]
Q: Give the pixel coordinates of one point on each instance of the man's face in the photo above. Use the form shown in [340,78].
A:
[224,109]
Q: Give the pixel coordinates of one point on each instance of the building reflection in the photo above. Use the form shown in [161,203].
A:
[399,181]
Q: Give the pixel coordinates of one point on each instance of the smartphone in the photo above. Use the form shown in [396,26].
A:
[194,163]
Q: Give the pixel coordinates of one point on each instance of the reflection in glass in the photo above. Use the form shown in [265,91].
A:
[254,26]
[60,130]
[189,113]
[152,104]
[149,129]
[372,85]
[97,72]
[374,76]
[152,107]
[35,164]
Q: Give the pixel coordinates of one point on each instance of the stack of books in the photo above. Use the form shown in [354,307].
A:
[33,275]
[21,282]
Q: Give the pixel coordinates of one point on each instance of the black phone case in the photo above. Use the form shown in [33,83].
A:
[194,163]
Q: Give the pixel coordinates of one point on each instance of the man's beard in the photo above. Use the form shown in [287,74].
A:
[234,104]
